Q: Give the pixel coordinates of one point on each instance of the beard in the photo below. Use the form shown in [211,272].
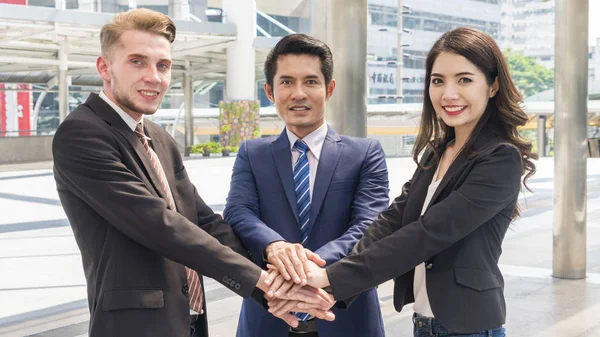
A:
[125,101]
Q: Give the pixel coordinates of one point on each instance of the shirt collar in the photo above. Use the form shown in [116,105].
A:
[314,140]
[124,115]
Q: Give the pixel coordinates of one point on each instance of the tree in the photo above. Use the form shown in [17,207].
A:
[529,76]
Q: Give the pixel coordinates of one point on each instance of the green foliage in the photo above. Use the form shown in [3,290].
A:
[225,128]
[256,133]
[232,149]
[529,76]
[197,148]
[214,147]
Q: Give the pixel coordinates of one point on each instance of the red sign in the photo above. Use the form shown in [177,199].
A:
[14,2]
[15,110]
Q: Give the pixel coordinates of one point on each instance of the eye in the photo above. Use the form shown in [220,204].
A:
[436,81]
[465,80]
[136,61]
[286,82]
[312,82]
[164,66]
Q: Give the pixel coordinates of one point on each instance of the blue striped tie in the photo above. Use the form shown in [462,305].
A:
[302,188]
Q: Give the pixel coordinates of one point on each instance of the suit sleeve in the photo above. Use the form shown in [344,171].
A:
[242,209]
[492,185]
[87,160]
[370,199]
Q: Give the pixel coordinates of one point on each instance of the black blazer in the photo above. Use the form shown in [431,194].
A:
[133,247]
[459,238]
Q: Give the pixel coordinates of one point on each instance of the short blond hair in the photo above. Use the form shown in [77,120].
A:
[142,19]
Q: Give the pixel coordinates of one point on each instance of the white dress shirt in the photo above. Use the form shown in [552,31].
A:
[421,305]
[314,141]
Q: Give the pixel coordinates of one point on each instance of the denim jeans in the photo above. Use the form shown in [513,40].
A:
[430,327]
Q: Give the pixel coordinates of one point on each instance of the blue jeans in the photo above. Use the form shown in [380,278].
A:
[430,327]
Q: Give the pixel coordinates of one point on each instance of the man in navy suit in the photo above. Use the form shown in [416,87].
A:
[307,193]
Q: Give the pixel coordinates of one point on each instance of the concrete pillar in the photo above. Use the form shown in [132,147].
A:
[342,25]
[240,82]
[63,82]
[570,113]
[179,9]
[188,94]
[541,136]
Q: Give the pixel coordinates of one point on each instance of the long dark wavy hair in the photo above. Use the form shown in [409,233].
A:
[504,110]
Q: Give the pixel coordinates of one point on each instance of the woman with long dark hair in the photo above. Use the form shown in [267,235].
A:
[440,240]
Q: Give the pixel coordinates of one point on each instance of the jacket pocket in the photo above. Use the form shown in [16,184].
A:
[477,279]
[133,299]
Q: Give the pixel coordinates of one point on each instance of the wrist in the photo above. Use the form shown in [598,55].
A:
[261,281]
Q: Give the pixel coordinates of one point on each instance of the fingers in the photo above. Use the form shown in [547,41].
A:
[321,314]
[273,273]
[288,318]
[276,260]
[290,260]
[314,257]
[299,259]
[277,283]
[293,290]
[283,289]
[281,307]
[310,296]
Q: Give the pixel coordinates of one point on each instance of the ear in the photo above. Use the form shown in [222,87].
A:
[330,89]
[103,68]
[494,87]
[269,92]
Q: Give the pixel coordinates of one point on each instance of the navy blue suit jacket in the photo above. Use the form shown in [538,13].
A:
[350,190]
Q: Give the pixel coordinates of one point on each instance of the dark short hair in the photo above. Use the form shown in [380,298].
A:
[298,44]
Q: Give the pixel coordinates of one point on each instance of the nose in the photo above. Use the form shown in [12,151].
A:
[298,94]
[450,93]
[152,76]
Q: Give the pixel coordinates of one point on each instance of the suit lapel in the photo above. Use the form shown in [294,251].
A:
[106,112]
[454,168]
[418,189]
[282,156]
[328,160]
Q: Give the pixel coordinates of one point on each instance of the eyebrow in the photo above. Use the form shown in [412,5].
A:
[288,77]
[455,75]
[144,57]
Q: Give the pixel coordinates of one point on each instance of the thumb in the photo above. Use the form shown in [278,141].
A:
[314,257]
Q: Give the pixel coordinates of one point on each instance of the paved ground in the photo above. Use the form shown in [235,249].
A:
[42,287]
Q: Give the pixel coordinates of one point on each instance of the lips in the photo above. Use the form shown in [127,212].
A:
[299,108]
[148,93]
[453,110]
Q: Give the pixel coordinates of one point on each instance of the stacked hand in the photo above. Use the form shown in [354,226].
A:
[293,281]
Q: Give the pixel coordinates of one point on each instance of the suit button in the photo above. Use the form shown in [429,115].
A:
[429,266]
[185,289]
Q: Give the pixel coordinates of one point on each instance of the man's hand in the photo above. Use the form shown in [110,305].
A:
[281,308]
[318,276]
[290,258]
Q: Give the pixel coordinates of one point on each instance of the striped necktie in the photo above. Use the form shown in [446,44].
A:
[195,288]
[302,188]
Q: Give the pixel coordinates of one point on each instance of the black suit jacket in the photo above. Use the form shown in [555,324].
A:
[133,247]
[459,238]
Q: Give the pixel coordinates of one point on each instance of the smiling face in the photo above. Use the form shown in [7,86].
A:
[299,92]
[459,91]
[137,72]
